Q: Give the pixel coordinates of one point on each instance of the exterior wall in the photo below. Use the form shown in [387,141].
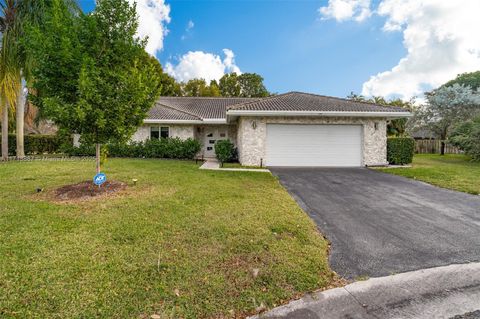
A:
[200,130]
[251,141]
[181,131]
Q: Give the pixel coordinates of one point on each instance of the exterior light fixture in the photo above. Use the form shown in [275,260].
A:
[376,126]
[254,125]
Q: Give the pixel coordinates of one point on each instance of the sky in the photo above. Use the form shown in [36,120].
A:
[391,48]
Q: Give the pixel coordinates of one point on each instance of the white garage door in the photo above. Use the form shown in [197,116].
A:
[314,145]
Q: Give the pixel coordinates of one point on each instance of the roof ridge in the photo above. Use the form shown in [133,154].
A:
[348,100]
[237,106]
[181,111]
[209,97]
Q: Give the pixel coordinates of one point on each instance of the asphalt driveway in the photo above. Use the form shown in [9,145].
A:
[381,224]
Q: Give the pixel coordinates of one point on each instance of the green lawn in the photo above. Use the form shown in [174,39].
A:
[182,243]
[455,172]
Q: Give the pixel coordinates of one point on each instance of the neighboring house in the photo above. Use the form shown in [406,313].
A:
[292,129]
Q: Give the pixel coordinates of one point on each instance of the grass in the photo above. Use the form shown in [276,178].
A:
[182,243]
[457,172]
[238,165]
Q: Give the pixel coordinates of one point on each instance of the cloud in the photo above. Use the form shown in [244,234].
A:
[199,64]
[441,41]
[188,29]
[343,10]
[153,15]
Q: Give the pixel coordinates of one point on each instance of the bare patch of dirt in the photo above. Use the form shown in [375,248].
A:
[87,190]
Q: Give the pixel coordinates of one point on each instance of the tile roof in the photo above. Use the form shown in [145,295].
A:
[297,101]
[162,112]
[203,107]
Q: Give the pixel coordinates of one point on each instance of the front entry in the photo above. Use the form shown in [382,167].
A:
[212,135]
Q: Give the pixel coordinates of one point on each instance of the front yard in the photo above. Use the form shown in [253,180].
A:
[182,243]
[455,172]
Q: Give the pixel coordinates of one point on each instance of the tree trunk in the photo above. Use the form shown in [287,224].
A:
[97,157]
[442,148]
[5,131]
[20,117]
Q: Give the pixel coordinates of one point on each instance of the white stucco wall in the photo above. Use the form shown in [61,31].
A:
[251,141]
[181,131]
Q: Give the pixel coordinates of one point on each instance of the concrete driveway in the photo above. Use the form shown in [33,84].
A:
[381,224]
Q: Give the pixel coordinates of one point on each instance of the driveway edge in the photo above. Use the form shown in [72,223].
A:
[440,292]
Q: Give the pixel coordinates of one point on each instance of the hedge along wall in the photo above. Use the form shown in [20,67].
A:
[400,150]
[37,144]
[161,148]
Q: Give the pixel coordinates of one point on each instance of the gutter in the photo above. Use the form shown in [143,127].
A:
[391,115]
[204,121]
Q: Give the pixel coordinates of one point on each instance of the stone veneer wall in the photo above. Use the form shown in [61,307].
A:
[252,148]
[181,131]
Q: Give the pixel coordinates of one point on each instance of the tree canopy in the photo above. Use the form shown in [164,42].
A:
[471,80]
[93,76]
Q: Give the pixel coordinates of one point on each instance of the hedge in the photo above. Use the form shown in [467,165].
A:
[224,151]
[162,148]
[37,144]
[400,150]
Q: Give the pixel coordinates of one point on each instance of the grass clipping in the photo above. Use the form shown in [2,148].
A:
[87,190]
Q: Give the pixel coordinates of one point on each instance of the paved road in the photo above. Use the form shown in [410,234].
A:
[449,292]
[380,224]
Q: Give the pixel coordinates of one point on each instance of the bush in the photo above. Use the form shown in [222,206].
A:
[466,136]
[224,150]
[37,144]
[161,148]
[400,150]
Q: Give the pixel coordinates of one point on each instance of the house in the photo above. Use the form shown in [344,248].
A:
[292,129]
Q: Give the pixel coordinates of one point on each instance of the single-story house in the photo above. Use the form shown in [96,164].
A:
[292,129]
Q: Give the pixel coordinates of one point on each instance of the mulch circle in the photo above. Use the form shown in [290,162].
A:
[87,189]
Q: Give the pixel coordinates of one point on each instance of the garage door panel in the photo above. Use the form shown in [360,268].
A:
[313,145]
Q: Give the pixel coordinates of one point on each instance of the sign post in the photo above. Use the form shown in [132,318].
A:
[99,179]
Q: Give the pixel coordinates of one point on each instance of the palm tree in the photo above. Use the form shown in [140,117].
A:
[9,61]
[15,64]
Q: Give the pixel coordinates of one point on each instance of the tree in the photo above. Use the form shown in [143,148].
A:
[466,136]
[251,85]
[446,107]
[92,77]
[397,127]
[229,86]
[9,65]
[471,80]
[15,63]
[214,88]
[195,87]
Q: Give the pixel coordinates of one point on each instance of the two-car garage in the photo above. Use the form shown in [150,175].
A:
[314,145]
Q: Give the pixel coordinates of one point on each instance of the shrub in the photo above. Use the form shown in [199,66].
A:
[155,148]
[37,144]
[224,150]
[400,150]
[466,136]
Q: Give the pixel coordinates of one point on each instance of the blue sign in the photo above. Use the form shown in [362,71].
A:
[99,179]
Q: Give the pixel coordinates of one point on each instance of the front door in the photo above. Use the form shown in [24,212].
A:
[212,135]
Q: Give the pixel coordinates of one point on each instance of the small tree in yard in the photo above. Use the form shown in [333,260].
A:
[446,107]
[93,76]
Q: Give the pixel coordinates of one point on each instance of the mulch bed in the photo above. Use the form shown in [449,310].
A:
[87,189]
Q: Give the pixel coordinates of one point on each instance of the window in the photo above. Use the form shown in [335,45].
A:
[211,141]
[164,132]
[154,132]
